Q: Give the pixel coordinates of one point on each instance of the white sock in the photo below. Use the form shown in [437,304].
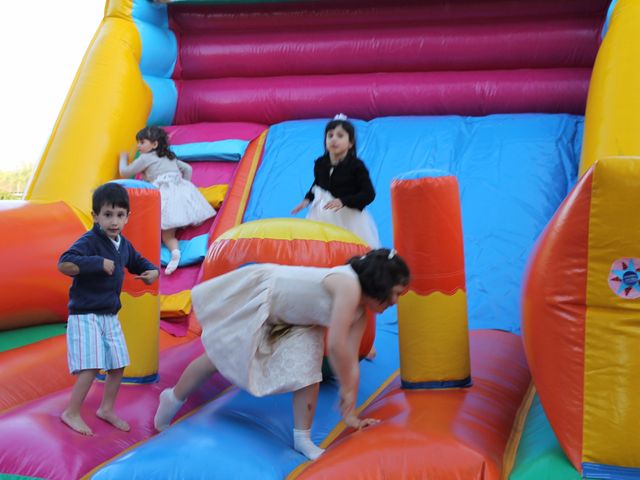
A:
[173,263]
[303,444]
[167,409]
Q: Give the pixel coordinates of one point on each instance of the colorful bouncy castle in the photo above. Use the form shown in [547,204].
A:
[524,301]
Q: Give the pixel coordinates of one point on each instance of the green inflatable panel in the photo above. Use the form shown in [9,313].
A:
[24,336]
[17,477]
[539,455]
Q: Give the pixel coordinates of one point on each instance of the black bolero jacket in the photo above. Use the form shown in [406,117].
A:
[350,181]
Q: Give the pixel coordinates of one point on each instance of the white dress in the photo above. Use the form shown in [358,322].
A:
[357,221]
[181,203]
[241,312]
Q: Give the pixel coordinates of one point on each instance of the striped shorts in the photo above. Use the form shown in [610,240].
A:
[95,341]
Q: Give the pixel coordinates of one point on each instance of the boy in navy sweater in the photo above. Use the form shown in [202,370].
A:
[95,341]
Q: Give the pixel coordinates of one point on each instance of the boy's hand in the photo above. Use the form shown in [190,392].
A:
[148,276]
[108,266]
[68,268]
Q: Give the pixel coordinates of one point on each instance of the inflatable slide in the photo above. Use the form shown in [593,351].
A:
[530,105]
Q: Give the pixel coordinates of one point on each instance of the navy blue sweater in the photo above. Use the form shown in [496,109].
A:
[93,290]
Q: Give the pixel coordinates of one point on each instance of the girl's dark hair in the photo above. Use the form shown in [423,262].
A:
[379,271]
[111,194]
[348,127]
[157,134]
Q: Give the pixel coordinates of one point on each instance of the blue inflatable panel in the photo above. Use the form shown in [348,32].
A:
[165,99]
[605,27]
[158,59]
[222,150]
[609,472]
[513,172]
[422,173]
[192,251]
[159,44]
[133,183]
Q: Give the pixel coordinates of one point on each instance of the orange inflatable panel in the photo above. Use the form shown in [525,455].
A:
[431,434]
[33,291]
[554,312]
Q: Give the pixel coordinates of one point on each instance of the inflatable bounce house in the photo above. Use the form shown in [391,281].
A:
[524,307]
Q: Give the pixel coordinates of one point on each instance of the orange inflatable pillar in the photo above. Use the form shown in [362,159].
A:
[432,315]
[140,314]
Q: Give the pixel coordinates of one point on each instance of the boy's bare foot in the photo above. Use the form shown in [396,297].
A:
[76,423]
[113,419]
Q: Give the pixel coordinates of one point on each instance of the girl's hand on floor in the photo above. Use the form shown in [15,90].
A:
[357,423]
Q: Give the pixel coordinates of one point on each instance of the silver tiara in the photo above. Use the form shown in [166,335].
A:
[340,116]
[392,253]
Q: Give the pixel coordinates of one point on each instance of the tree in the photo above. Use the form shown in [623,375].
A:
[13,183]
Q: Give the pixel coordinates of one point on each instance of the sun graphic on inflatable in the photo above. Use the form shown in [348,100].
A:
[624,278]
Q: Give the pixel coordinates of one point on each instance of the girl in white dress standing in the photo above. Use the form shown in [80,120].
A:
[182,203]
[341,186]
[263,329]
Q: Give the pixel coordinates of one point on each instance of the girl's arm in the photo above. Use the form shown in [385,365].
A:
[308,198]
[185,169]
[137,166]
[345,334]
[303,204]
[317,172]
[348,397]
[363,188]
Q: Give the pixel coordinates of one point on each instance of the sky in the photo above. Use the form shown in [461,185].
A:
[42,43]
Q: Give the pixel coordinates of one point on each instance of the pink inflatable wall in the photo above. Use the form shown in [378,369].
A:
[370,59]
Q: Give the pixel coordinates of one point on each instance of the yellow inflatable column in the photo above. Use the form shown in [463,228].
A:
[611,421]
[107,104]
[140,314]
[432,316]
[612,122]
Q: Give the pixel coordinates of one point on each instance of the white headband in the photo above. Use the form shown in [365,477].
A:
[340,116]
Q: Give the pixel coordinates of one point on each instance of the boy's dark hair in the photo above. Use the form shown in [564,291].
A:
[379,271]
[112,194]
[348,127]
[157,134]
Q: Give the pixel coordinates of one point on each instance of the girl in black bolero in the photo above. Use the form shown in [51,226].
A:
[341,187]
